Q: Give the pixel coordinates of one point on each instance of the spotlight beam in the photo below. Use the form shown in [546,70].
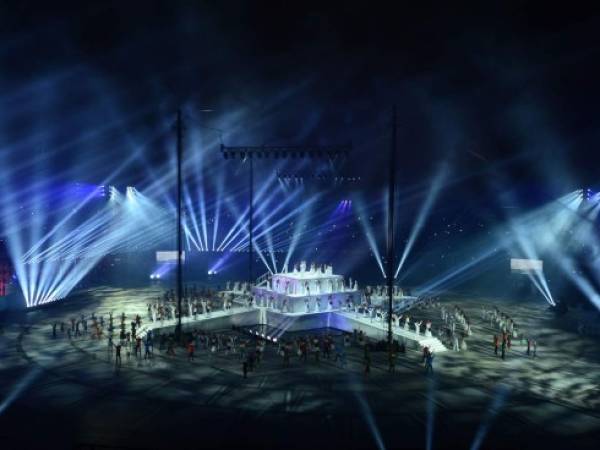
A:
[436,185]
[241,217]
[265,220]
[370,236]
[312,200]
[498,402]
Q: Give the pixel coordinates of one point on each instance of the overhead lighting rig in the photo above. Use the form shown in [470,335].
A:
[264,151]
[334,178]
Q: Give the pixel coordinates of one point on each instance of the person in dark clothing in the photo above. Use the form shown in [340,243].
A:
[425,353]
[118,354]
[429,363]
[367,361]
[191,350]
[403,348]
[138,347]
[147,347]
[251,361]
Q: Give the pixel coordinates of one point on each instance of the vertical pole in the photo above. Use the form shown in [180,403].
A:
[390,233]
[251,222]
[179,221]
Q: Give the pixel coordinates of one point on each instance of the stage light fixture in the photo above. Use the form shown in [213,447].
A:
[112,193]
[130,191]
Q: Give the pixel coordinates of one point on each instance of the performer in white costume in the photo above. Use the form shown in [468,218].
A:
[418,327]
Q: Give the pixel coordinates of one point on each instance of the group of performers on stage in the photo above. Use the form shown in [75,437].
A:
[312,287]
[383,291]
[194,302]
[399,317]
[302,267]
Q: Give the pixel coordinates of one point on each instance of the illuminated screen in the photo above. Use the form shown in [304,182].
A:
[168,256]
[526,265]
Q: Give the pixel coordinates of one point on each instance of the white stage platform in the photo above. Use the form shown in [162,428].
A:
[306,290]
[341,320]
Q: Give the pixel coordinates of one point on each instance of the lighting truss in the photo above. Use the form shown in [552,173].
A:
[303,151]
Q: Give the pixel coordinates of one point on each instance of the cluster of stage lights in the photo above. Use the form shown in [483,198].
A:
[56,262]
[272,217]
[551,231]
[547,232]
[113,193]
[162,270]
[84,244]
[319,152]
[132,194]
[263,335]
[333,152]
[299,177]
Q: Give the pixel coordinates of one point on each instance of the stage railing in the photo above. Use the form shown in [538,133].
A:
[262,280]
